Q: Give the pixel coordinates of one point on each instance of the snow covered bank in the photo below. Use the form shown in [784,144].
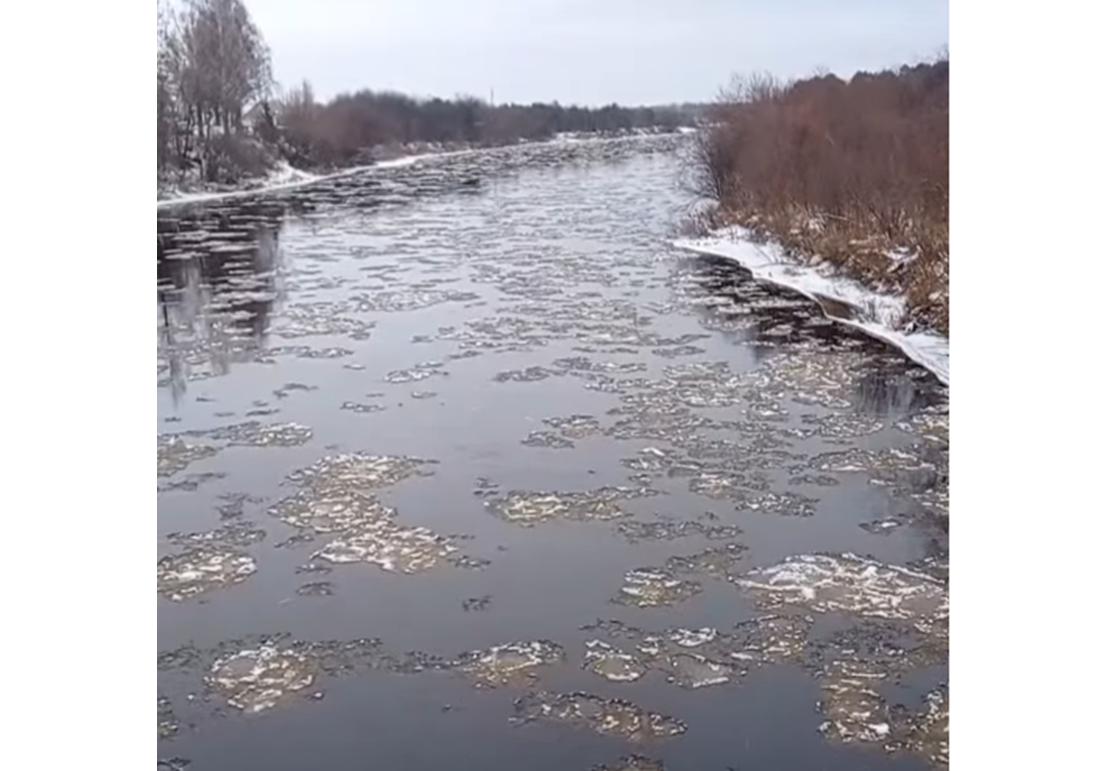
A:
[879,315]
[286,177]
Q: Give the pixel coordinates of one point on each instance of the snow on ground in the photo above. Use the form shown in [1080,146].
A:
[284,173]
[286,177]
[878,314]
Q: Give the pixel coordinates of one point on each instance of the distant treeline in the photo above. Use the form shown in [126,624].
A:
[336,132]
[221,116]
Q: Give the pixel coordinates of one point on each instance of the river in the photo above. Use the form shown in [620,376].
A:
[461,465]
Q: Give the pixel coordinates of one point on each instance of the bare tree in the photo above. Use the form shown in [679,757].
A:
[213,68]
[212,65]
[228,63]
[164,105]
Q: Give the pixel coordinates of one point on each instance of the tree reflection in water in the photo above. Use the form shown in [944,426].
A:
[218,281]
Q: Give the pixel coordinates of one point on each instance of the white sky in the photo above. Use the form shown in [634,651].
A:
[586,51]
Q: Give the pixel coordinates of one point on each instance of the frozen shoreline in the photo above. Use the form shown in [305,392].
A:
[877,314]
[288,178]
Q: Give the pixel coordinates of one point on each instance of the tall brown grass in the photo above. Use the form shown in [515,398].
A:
[850,171]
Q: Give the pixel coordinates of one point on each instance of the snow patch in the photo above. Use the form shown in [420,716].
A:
[875,313]
[284,174]
[286,177]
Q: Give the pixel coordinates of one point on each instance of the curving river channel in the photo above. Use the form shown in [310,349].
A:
[461,465]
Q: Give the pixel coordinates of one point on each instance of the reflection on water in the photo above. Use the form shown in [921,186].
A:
[701,524]
[218,281]
[892,387]
[892,391]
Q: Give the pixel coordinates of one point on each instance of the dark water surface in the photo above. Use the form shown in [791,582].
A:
[461,466]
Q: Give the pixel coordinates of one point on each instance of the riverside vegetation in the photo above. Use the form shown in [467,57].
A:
[223,120]
[853,172]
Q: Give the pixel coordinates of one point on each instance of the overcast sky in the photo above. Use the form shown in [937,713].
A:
[586,51]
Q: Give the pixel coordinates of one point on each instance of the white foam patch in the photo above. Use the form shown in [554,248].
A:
[877,314]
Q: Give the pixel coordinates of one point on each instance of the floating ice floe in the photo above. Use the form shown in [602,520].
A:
[575,426]
[200,570]
[390,546]
[784,504]
[547,439]
[239,533]
[775,639]
[167,724]
[850,584]
[337,499]
[317,321]
[361,408]
[856,711]
[530,508]
[256,680]
[652,587]
[692,638]
[316,589]
[720,486]
[852,705]
[255,434]
[718,562]
[604,716]
[611,663]
[632,763]
[511,663]
[174,454]
[332,511]
[528,375]
[357,472]
[668,530]
[191,482]
[404,300]
[928,736]
[416,373]
[689,670]
[690,658]
[309,352]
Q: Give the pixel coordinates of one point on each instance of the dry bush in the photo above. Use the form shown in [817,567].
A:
[848,171]
[231,158]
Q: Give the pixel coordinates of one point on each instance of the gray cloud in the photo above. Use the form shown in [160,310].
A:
[586,51]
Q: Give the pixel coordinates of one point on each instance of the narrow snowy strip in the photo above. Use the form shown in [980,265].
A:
[877,314]
[289,178]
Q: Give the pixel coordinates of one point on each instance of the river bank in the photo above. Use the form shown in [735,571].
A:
[879,312]
[286,177]
[499,473]
[850,176]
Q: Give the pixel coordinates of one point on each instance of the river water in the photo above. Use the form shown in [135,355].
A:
[461,465]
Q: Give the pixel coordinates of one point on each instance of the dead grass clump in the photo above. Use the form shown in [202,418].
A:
[231,158]
[854,172]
